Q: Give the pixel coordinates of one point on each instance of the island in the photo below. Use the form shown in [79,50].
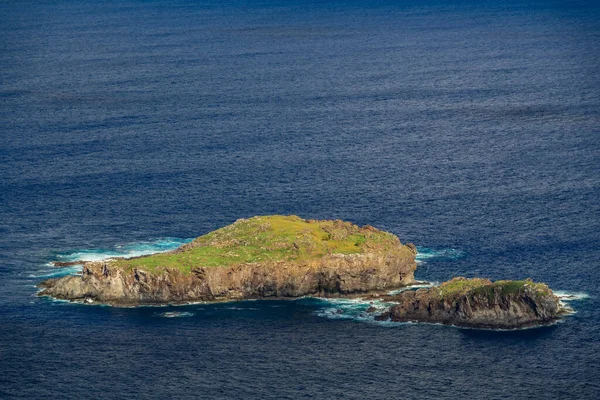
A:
[260,257]
[280,256]
[477,303]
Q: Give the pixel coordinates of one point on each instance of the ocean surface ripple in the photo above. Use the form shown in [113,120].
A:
[467,128]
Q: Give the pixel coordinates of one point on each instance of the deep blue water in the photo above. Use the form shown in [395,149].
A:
[469,128]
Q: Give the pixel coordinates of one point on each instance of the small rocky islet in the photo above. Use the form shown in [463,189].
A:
[289,257]
[477,303]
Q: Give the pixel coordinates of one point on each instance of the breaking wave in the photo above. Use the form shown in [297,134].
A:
[565,295]
[413,287]
[126,250]
[57,272]
[175,314]
[359,309]
[426,253]
[355,309]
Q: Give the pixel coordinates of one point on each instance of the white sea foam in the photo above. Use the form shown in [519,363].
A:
[127,251]
[175,314]
[426,253]
[352,309]
[413,287]
[57,273]
[565,295]
[239,308]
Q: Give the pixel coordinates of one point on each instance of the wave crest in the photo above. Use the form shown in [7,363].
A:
[128,250]
[426,253]
[175,314]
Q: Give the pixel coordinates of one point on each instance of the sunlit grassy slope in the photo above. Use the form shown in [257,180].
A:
[268,238]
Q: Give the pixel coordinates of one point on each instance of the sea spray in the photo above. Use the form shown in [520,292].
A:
[129,250]
[175,314]
[565,295]
[426,253]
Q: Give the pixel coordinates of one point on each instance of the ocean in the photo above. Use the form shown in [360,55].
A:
[470,128]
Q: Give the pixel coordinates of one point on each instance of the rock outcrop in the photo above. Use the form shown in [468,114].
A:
[260,257]
[478,303]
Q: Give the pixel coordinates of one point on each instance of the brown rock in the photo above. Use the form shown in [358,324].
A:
[333,275]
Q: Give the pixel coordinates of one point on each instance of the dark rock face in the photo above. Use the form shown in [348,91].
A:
[503,305]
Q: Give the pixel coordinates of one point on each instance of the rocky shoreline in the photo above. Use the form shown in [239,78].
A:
[335,275]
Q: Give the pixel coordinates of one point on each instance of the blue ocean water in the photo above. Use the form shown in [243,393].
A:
[468,128]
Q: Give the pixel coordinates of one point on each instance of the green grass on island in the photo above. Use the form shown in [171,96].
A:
[267,238]
[461,286]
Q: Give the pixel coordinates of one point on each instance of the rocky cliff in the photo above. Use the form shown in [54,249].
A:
[260,257]
[478,303]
